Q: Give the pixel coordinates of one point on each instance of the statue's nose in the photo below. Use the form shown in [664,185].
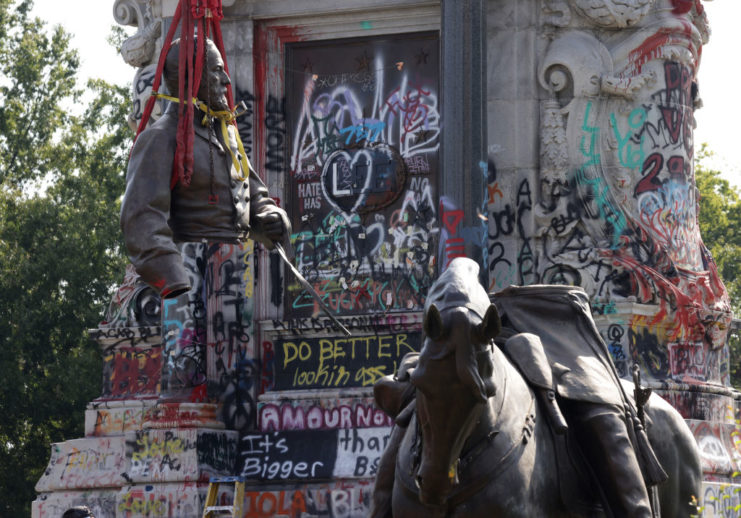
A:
[427,496]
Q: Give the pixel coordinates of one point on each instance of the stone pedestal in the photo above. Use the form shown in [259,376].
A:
[693,376]
[140,457]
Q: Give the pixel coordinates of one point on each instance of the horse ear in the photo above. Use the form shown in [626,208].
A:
[433,323]
[490,326]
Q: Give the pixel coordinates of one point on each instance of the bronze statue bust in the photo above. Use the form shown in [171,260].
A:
[188,239]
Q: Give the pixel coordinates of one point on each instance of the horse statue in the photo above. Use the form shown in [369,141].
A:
[472,438]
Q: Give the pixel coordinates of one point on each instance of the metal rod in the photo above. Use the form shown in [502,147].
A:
[308,287]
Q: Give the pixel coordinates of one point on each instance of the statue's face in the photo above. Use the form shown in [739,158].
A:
[214,80]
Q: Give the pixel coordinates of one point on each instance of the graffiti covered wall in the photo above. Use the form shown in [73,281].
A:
[363,122]
[611,203]
[591,182]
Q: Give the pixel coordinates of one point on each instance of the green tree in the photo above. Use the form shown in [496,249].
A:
[720,219]
[61,178]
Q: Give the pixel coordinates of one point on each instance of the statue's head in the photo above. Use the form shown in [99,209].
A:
[214,79]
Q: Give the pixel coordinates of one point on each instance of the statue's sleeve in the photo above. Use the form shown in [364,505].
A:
[145,210]
[260,204]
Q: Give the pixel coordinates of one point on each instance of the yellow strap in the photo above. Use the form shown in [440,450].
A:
[224,117]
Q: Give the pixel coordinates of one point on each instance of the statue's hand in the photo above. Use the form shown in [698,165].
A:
[273,226]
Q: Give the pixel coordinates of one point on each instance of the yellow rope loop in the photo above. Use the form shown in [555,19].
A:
[168,97]
[225,117]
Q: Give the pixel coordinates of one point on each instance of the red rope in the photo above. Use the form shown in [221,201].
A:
[183,169]
[158,73]
[206,15]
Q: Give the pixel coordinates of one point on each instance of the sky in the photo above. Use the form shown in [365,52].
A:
[718,122]
[90,22]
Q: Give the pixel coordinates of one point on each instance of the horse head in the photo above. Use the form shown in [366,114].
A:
[453,381]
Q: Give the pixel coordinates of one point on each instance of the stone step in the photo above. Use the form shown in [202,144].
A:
[144,456]
[180,455]
[719,445]
[110,418]
[340,498]
[102,502]
[94,462]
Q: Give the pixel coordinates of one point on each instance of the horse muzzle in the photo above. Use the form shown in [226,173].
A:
[432,490]
[430,498]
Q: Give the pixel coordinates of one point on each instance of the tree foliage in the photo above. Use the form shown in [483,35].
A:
[61,178]
[719,219]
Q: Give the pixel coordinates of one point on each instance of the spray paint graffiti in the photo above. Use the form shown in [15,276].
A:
[183,499]
[322,415]
[615,334]
[451,242]
[94,462]
[392,322]
[407,118]
[364,140]
[207,332]
[275,126]
[720,500]
[101,502]
[134,305]
[113,421]
[617,215]
[343,499]
[244,120]
[313,454]
[612,206]
[188,455]
[141,91]
[357,361]
[131,371]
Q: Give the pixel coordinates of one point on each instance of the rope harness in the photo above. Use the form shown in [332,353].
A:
[240,160]
[203,17]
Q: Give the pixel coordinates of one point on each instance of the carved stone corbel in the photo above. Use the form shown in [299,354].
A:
[131,12]
[556,13]
[574,65]
[617,14]
[138,50]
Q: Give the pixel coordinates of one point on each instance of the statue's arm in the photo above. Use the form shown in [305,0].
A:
[145,210]
[268,222]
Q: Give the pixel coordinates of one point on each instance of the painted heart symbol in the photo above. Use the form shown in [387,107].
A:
[346,178]
[363,180]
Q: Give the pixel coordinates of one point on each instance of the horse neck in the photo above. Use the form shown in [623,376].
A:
[503,413]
